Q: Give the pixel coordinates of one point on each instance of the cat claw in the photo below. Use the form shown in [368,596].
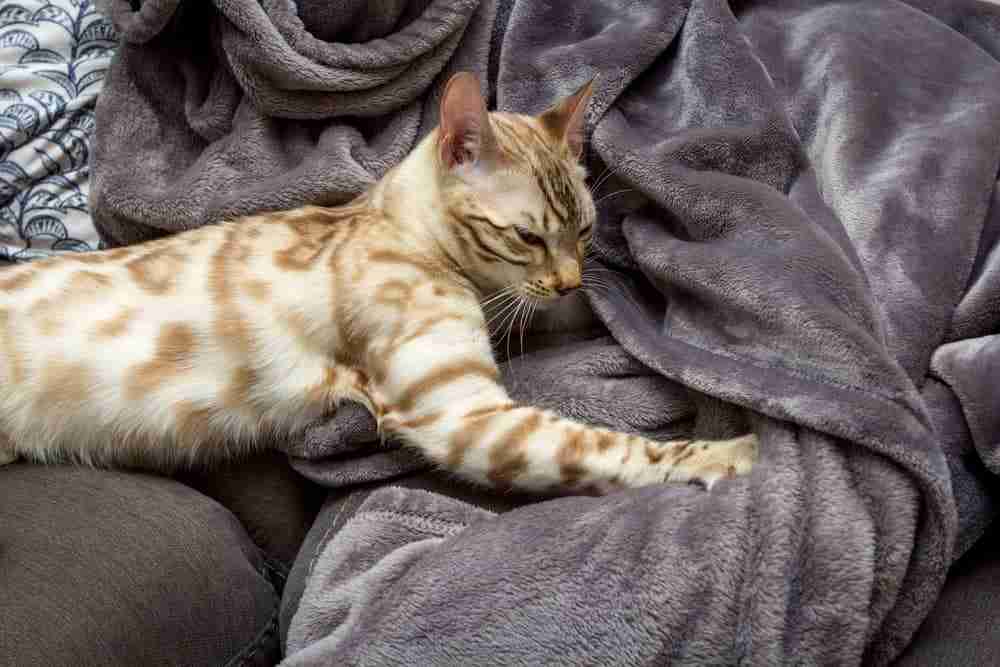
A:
[716,461]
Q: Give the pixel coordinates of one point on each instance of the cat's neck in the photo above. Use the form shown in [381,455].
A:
[409,193]
[409,197]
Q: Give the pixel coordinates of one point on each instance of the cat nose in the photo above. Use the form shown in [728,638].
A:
[568,283]
[567,277]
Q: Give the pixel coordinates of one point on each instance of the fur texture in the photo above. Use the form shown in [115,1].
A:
[226,337]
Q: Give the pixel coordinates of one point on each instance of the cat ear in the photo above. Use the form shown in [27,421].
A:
[564,121]
[464,133]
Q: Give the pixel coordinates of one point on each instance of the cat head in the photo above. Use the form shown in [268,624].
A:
[514,192]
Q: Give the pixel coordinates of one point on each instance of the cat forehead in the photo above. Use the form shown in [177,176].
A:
[509,191]
[537,155]
[524,138]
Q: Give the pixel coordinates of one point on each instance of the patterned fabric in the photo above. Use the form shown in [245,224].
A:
[53,56]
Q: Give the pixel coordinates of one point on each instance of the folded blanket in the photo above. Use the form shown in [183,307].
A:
[249,111]
[802,228]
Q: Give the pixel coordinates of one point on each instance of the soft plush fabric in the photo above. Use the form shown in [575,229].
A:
[196,101]
[275,506]
[102,568]
[962,627]
[803,239]
[53,55]
[971,367]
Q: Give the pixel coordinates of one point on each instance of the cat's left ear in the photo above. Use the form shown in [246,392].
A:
[564,121]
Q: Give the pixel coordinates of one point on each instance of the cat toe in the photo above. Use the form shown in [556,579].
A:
[717,461]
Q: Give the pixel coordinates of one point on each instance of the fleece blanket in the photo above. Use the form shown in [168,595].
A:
[799,234]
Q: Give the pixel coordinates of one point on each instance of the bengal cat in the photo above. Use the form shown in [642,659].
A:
[214,341]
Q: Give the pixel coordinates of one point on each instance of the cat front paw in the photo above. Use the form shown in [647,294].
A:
[713,460]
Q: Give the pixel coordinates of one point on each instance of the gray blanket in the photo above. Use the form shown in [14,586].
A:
[802,229]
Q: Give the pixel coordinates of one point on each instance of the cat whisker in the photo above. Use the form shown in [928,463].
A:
[597,279]
[607,174]
[504,310]
[618,192]
[531,315]
[615,287]
[499,294]
[510,326]
[499,305]
[600,179]
[524,320]
[591,286]
[605,279]
[603,273]
[595,266]
[499,312]
[509,313]
[498,302]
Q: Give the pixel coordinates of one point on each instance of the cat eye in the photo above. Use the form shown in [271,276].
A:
[529,237]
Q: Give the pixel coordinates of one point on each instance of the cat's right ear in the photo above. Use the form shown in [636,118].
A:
[464,133]
[565,120]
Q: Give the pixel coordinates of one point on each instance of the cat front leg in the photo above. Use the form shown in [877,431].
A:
[442,394]
[491,440]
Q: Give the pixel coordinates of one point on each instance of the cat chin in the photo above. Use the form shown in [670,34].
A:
[566,313]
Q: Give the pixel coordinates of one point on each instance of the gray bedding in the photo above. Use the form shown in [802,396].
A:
[802,227]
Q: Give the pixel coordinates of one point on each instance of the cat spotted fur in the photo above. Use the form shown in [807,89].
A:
[212,342]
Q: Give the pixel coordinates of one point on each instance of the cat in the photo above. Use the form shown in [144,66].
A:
[211,342]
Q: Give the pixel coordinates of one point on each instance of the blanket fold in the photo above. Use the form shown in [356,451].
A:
[260,114]
[799,234]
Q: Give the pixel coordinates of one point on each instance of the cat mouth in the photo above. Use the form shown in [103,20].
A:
[538,295]
[550,300]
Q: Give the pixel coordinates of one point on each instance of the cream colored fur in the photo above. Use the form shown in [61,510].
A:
[237,336]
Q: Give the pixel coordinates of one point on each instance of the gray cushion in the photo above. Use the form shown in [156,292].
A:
[118,568]
[275,504]
[963,628]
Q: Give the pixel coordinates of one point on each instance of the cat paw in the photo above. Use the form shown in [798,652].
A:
[714,460]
